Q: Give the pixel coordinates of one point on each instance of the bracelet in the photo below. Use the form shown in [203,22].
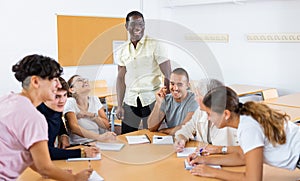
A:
[224,149]
[82,153]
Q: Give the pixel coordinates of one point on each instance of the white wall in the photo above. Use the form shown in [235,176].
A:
[267,64]
[30,27]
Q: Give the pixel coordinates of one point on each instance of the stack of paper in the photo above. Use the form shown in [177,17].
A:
[162,140]
[98,157]
[137,139]
[110,146]
[95,177]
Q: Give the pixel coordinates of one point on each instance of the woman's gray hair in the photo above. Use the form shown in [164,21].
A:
[204,85]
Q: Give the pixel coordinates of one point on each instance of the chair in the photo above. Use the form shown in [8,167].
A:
[269,94]
[111,104]
[98,83]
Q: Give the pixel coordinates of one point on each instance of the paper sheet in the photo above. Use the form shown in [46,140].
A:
[110,146]
[98,157]
[137,139]
[95,176]
[187,166]
[186,152]
[162,140]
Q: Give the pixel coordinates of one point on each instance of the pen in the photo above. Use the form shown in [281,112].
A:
[90,164]
[78,144]
[199,153]
[148,138]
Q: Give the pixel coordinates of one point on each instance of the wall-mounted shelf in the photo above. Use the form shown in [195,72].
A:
[273,37]
[217,38]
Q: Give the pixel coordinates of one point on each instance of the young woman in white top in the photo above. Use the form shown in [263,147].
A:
[212,139]
[85,115]
[265,135]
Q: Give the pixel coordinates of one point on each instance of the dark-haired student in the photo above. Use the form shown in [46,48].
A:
[53,111]
[23,138]
[265,135]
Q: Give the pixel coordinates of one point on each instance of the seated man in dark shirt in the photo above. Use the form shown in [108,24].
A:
[53,111]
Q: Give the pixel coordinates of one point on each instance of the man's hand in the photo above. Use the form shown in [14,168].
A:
[120,112]
[161,94]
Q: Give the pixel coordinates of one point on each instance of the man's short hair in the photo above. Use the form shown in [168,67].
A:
[181,71]
[134,13]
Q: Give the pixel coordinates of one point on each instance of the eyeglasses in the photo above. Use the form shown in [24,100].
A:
[82,80]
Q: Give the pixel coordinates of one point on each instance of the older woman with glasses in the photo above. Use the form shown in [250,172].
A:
[85,115]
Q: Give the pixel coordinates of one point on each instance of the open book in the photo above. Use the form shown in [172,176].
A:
[138,139]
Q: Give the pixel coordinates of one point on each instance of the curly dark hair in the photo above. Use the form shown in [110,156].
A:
[39,65]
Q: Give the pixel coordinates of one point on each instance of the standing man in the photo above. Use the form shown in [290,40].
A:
[175,108]
[142,62]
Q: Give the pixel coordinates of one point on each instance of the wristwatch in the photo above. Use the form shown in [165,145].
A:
[224,149]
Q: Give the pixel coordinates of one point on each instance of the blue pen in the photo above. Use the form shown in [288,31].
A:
[200,151]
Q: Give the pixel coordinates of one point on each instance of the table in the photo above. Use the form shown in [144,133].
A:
[293,112]
[291,100]
[243,90]
[159,162]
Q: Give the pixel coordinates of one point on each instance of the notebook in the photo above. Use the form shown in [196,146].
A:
[138,139]
[110,146]
[186,152]
[187,165]
[98,157]
[162,140]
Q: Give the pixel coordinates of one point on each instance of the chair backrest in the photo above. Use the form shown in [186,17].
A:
[269,94]
[111,100]
[98,83]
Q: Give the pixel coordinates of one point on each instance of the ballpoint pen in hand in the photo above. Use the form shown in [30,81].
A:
[90,166]
[198,153]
